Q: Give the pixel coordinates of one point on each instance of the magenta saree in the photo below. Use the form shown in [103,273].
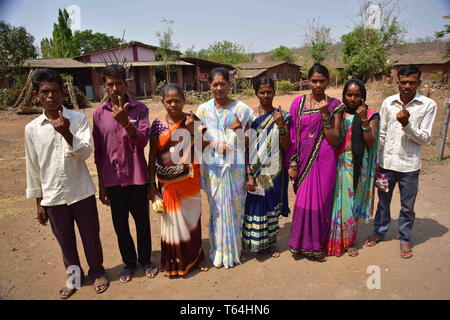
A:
[317,174]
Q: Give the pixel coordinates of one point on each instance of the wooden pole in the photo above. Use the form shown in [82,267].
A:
[443,130]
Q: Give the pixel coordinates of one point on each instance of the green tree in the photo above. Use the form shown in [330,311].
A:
[365,50]
[62,44]
[167,51]
[441,34]
[16,45]
[318,40]
[201,54]
[87,41]
[283,53]
[227,52]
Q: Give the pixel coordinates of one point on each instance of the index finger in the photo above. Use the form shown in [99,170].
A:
[120,102]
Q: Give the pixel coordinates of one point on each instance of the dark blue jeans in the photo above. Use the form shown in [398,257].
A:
[408,183]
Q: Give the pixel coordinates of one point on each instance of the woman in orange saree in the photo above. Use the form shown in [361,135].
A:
[179,182]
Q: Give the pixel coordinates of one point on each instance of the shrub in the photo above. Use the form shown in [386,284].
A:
[284,86]
[9,96]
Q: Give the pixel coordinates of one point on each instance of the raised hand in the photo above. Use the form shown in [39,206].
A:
[361,112]
[278,117]
[120,112]
[236,124]
[61,124]
[189,122]
[403,117]
[250,184]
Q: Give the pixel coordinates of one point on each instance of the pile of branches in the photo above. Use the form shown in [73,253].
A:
[74,98]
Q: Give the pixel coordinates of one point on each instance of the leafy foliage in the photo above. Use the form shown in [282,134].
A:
[227,52]
[62,44]
[318,40]
[86,41]
[284,86]
[365,49]
[442,33]
[16,45]
[167,50]
[283,53]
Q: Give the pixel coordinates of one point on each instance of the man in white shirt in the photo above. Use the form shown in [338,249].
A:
[406,123]
[57,143]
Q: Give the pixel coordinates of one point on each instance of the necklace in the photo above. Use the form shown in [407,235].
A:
[259,111]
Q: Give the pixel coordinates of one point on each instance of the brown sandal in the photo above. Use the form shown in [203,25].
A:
[372,241]
[100,286]
[65,293]
[352,252]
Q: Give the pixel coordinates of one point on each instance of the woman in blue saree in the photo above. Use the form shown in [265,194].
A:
[268,176]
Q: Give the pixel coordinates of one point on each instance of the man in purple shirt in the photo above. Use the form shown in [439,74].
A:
[121,132]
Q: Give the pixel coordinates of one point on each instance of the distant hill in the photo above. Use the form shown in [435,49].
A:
[422,49]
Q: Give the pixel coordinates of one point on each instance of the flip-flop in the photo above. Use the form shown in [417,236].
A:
[376,239]
[149,268]
[352,252]
[69,292]
[126,272]
[99,284]
[404,253]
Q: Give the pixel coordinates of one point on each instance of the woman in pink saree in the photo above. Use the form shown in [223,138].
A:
[311,161]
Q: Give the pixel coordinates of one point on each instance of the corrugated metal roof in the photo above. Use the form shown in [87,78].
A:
[67,63]
[194,60]
[250,73]
[60,63]
[263,65]
[141,64]
[429,57]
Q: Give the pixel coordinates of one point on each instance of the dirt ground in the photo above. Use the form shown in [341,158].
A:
[31,263]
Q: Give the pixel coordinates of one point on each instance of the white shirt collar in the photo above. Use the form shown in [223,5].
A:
[418,97]
[43,116]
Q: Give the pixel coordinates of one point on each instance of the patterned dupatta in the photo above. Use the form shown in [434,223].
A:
[365,192]
[267,146]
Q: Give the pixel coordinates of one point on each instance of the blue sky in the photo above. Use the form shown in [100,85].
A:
[258,25]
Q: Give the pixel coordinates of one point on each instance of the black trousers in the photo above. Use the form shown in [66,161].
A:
[125,200]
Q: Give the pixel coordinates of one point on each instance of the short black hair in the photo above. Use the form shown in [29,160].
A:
[47,75]
[114,70]
[221,71]
[319,68]
[409,70]
[263,81]
[172,86]
[361,86]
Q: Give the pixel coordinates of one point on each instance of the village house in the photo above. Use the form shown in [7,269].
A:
[276,70]
[145,72]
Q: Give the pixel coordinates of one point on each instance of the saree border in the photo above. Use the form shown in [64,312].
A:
[315,152]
